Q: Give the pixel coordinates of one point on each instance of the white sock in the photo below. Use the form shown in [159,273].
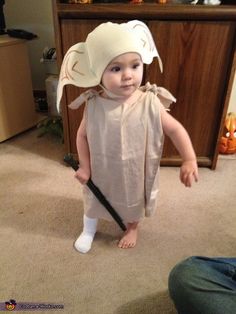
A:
[84,242]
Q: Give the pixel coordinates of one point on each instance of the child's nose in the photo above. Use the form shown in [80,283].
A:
[127,74]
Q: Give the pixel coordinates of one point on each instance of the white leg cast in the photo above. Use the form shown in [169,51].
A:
[84,242]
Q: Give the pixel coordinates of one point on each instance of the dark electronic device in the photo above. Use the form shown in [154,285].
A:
[2,18]
[20,33]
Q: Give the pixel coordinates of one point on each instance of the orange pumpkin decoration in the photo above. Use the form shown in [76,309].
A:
[136,1]
[228,139]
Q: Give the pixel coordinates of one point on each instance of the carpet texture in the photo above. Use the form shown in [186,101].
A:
[41,214]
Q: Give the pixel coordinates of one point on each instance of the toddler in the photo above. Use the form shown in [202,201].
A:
[121,135]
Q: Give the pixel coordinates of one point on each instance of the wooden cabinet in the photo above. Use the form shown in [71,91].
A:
[17,108]
[197,47]
[197,60]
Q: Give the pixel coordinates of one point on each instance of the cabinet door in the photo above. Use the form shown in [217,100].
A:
[17,108]
[197,64]
[74,31]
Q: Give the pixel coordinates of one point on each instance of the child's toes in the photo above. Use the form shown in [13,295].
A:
[124,245]
[120,244]
[132,244]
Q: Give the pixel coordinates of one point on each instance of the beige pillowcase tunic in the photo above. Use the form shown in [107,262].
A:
[125,143]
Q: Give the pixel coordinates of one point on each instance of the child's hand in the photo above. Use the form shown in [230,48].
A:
[189,172]
[82,175]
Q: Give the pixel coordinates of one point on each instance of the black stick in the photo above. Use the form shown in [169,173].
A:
[75,165]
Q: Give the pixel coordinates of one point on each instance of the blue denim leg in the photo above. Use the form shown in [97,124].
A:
[202,285]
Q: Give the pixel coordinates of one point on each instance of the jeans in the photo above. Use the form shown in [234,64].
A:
[202,285]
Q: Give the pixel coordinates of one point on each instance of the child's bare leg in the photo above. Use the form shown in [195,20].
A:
[130,236]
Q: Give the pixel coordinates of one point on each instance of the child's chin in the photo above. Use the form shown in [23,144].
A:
[126,91]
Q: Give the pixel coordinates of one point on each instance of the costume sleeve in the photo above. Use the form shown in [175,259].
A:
[163,94]
[84,97]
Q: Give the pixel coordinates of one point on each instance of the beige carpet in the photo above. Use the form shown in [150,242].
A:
[41,216]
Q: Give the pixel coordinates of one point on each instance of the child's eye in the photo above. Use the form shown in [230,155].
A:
[136,65]
[115,69]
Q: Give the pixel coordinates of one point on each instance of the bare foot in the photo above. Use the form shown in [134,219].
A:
[130,237]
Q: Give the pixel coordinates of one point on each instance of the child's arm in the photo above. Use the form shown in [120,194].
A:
[83,173]
[181,140]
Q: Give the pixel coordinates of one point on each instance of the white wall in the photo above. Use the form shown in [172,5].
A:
[34,16]
[232,101]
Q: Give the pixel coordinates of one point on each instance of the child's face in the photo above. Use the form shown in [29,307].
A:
[124,74]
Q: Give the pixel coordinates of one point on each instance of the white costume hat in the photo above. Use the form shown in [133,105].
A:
[85,62]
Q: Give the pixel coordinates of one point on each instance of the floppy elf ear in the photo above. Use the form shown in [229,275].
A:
[70,70]
[142,31]
[74,70]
